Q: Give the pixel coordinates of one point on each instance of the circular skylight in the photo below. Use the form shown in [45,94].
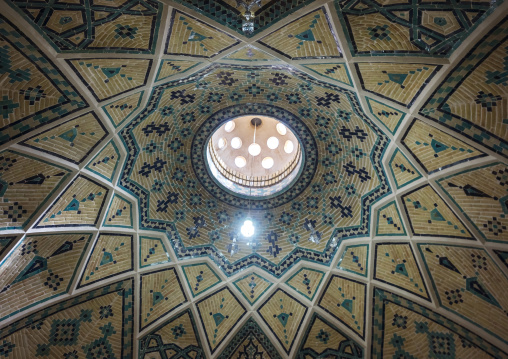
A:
[240,161]
[236,143]
[222,143]
[289,146]
[267,163]
[281,129]
[272,143]
[254,149]
[230,126]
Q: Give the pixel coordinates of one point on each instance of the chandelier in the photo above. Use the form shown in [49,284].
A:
[248,15]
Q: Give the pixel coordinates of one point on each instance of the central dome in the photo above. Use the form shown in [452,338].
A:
[254,155]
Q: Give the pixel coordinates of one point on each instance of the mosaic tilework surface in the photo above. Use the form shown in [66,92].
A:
[472,99]
[250,342]
[44,264]
[503,256]
[429,215]
[284,315]
[401,83]
[111,255]
[73,140]
[387,115]
[170,68]
[119,213]
[251,54]
[79,205]
[324,340]
[482,195]
[219,312]
[106,78]
[200,277]
[21,174]
[395,264]
[334,71]
[403,170]
[192,37]
[421,28]
[118,111]
[469,283]
[306,282]
[5,242]
[308,37]
[389,222]
[95,26]
[161,293]
[345,300]
[355,259]
[402,328]
[177,338]
[252,286]
[105,163]
[435,149]
[33,91]
[152,251]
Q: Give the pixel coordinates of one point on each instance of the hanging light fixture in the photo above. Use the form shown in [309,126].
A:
[248,15]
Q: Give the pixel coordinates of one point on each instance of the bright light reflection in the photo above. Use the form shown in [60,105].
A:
[254,149]
[281,129]
[267,163]
[236,143]
[230,126]
[240,161]
[247,228]
[272,143]
[289,146]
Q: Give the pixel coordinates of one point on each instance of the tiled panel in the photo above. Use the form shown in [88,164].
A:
[355,259]
[119,213]
[252,286]
[152,251]
[389,222]
[200,277]
[387,115]
[403,170]
[306,282]
[170,68]
[250,54]
[334,71]
[118,111]
[105,163]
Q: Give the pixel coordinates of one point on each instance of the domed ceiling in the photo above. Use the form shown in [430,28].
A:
[117,241]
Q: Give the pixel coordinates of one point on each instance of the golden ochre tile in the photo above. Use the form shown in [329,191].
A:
[306,282]
[119,213]
[176,336]
[334,71]
[395,264]
[169,68]
[105,162]
[161,292]
[387,115]
[200,277]
[107,78]
[152,251]
[430,216]
[480,194]
[79,205]
[73,140]
[310,36]
[118,111]
[401,83]
[345,300]
[470,284]
[403,170]
[389,222]
[284,316]
[250,54]
[111,255]
[355,259]
[220,312]
[435,149]
[189,36]
[322,337]
[252,286]
[26,184]
[41,267]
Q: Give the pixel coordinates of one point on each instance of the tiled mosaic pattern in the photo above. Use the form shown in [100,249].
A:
[118,111]
[73,140]
[355,259]
[435,149]
[111,255]
[21,174]
[306,282]
[192,37]
[472,99]
[33,92]
[200,277]
[152,251]
[389,222]
[5,242]
[95,26]
[79,205]
[43,264]
[420,28]
[170,68]
[401,83]
[503,256]
[119,213]
[284,315]
[176,338]
[403,170]
[220,312]
[345,299]
[430,216]
[308,37]
[334,71]
[395,264]
[387,115]
[161,292]
[481,194]
[252,286]
[405,329]
[470,284]
[105,163]
[250,342]
[106,78]
[250,54]
[323,339]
